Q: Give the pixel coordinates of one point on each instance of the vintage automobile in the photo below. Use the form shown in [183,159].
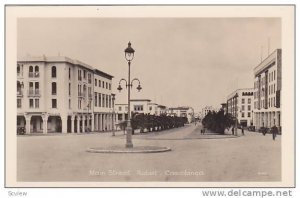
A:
[21,130]
[251,128]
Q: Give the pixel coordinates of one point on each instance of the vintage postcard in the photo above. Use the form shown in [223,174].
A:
[150,96]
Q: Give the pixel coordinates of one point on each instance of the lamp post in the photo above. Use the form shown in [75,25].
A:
[113,114]
[129,55]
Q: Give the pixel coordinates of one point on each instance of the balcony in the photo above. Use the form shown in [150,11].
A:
[34,74]
[19,74]
[20,93]
[34,93]
[81,95]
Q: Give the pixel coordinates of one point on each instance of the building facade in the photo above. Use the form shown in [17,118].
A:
[59,94]
[187,112]
[267,91]
[240,106]
[206,109]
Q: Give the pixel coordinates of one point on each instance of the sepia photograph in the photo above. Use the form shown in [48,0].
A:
[153,96]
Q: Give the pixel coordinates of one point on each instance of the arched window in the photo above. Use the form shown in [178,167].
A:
[53,72]
[30,68]
[53,88]
[36,68]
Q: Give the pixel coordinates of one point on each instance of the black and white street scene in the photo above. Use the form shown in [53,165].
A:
[149,99]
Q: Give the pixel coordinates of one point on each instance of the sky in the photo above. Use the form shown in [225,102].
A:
[193,62]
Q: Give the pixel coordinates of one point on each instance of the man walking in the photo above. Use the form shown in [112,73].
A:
[243,130]
[274,131]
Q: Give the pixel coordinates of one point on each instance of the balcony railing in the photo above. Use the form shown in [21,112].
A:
[81,95]
[19,93]
[34,74]
[19,74]
[34,92]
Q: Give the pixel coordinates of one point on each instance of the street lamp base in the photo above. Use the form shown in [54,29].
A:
[129,145]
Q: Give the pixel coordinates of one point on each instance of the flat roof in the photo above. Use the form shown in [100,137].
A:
[63,59]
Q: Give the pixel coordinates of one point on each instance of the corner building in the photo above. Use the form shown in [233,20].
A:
[267,91]
[59,94]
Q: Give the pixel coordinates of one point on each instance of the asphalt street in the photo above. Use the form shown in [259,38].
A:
[194,157]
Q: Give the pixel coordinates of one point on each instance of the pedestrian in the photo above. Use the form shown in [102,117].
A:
[203,130]
[274,131]
[242,130]
[232,130]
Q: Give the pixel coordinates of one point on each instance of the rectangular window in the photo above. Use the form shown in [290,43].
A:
[106,104]
[37,103]
[120,108]
[103,100]
[243,100]
[99,83]
[70,104]
[19,103]
[106,85]
[84,74]
[274,74]
[54,103]
[243,114]
[103,84]
[249,114]
[109,99]
[69,89]
[249,100]
[249,107]
[30,103]
[69,73]
[96,95]
[95,82]
[243,107]
[99,98]
[109,86]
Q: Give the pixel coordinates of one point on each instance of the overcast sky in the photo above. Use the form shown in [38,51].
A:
[179,61]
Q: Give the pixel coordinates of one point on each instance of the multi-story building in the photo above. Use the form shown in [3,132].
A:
[59,94]
[240,106]
[267,91]
[187,112]
[138,106]
[206,109]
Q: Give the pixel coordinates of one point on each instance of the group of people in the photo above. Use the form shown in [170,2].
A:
[274,131]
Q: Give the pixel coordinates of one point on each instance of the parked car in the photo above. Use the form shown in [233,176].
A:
[251,128]
[264,130]
[21,130]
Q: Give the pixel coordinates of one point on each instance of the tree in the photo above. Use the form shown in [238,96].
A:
[218,121]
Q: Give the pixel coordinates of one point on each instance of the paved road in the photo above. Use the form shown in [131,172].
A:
[252,157]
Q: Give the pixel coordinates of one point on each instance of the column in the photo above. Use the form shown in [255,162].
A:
[64,123]
[83,124]
[109,121]
[96,122]
[72,123]
[105,121]
[93,122]
[45,123]
[28,119]
[78,124]
[100,128]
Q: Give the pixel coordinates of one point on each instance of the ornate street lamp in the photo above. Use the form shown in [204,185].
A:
[129,55]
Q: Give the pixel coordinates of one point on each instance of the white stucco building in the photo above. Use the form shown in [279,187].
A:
[240,106]
[185,111]
[267,91]
[138,106]
[59,94]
